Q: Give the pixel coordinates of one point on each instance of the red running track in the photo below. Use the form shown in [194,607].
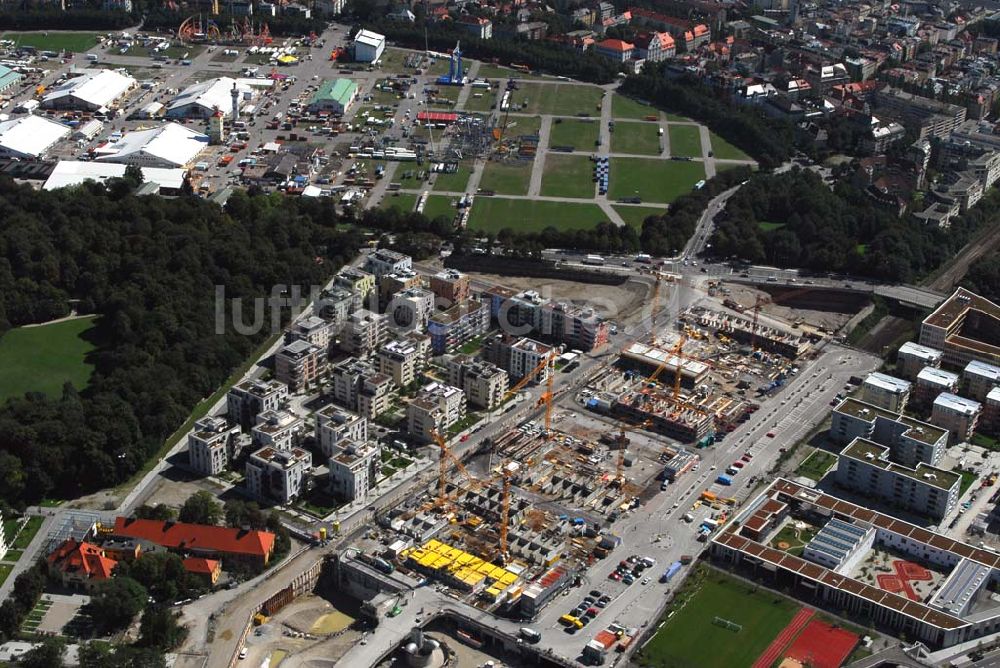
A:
[770,655]
[822,646]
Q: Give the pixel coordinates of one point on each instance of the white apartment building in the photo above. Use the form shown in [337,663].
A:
[212,445]
[409,309]
[250,398]
[313,330]
[336,426]
[404,359]
[956,414]
[525,356]
[275,429]
[363,333]
[354,470]
[979,378]
[484,383]
[382,262]
[357,387]
[886,391]
[932,382]
[277,475]
[911,441]
[436,408]
[912,357]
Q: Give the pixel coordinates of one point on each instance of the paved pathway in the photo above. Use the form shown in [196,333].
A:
[538,166]
[706,148]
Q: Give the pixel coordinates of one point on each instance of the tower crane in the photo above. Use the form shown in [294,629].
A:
[445,456]
[764,301]
[505,472]
[546,397]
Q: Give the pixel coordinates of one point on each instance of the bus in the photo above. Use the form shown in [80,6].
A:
[594,260]
[570,620]
[531,635]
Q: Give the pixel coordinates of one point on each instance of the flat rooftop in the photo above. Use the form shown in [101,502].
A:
[865,411]
[887,382]
[872,454]
[922,431]
[957,305]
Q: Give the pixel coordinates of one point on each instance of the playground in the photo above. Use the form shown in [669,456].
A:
[890,573]
[899,582]
[793,537]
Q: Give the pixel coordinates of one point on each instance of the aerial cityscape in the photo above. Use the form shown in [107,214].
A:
[376,333]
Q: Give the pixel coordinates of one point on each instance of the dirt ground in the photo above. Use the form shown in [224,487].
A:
[828,320]
[314,615]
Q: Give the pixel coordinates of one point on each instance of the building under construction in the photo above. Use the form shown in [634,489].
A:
[663,415]
[650,358]
[789,344]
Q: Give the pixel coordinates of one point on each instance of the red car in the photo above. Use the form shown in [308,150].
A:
[465,437]
[770,434]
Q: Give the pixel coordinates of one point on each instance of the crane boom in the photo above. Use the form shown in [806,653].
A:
[504,513]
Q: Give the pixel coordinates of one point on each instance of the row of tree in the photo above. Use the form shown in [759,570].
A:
[983,278]
[53,18]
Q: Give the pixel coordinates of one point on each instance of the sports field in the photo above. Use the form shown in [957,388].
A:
[557,99]
[436,205]
[636,138]
[569,176]
[726,151]
[42,359]
[685,141]
[53,40]
[626,108]
[635,215]
[660,181]
[453,182]
[492,214]
[518,126]
[692,638]
[580,134]
[510,178]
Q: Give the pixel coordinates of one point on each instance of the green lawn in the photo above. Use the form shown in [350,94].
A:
[816,465]
[42,359]
[26,535]
[690,638]
[523,126]
[968,479]
[653,180]
[636,138]
[578,133]
[492,214]
[557,99]
[685,141]
[453,182]
[439,205]
[626,107]
[13,555]
[635,215]
[485,101]
[4,572]
[405,202]
[491,71]
[569,176]
[52,40]
[726,151]
[507,178]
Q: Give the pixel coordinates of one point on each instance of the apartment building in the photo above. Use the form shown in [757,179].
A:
[616,50]
[390,284]
[246,400]
[886,391]
[965,328]
[313,330]
[450,286]
[354,470]
[382,262]
[922,115]
[484,384]
[911,441]
[363,333]
[989,421]
[336,427]
[359,283]
[577,327]
[212,444]
[359,388]
[276,429]
[335,305]
[277,475]
[913,357]
[518,356]
[410,309]
[454,327]
[404,359]
[654,46]
[864,467]
[298,364]
[979,378]
[956,414]
[436,408]
[930,383]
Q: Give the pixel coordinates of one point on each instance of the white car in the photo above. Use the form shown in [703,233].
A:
[243,653]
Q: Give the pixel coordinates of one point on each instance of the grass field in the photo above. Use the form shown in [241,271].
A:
[492,214]
[685,141]
[568,176]
[436,205]
[454,182]
[483,103]
[634,215]
[690,638]
[507,178]
[580,134]
[653,180]
[726,151]
[41,359]
[636,138]
[627,108]
[26,534]
[816,465]
[519,126]
[558,99]
[54,40]
[491,71]
[4,572]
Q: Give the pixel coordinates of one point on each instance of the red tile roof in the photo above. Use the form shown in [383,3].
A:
[86,558]
[615,45]
[202,537]
[200,566]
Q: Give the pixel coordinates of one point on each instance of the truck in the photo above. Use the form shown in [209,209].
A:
[531,635]
[710,496]
[733,304]
[670,572]
[724,480]
[596,260]
[686,559]
[732,470]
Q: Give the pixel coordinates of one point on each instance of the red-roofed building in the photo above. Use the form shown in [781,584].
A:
[437,117]
[654,46]
[210,569]
[80,564]
[615,49]
[690,34]
[202,540]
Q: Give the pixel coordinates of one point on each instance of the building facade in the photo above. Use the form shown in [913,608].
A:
[299,364]
[250,398]
[277,475]
[212,445]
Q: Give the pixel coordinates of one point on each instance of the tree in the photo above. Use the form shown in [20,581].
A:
[163,575]
[160,511]
[99,655]
[117,603]
[241,513]
[133,176]
[47,655]
[201,508]
[160,629]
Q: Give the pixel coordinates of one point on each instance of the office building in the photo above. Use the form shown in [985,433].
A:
[450,286]
[354,469]
[357,387]
[276,429]
[404,359]
[455,326]
[299,364]
[932,382]
[250,398]
[363,333]
[381,262]
[436,408]
[911,441]
[484,384]
[277,475]
[965,328]
[886,392]
[978,378]
[956,414]
[336,426]
[913,357]
[212,445]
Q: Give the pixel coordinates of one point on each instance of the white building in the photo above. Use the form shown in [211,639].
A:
[368,46]
[93,90]
[314,330]
[68,173]
[201,100]
[275,429]
[212,445]
[886,391]
[277,475]
[932,382]
[912,357]
[29,137]
[979,378]
[336,426]
[250,398]
[168,146]
[956,414]
[383,262]
[410,309]
[354,470]
[363,332]
[436,408]
[525,356]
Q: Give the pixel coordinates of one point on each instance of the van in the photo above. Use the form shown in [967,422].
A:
[531,635]
[92,57]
